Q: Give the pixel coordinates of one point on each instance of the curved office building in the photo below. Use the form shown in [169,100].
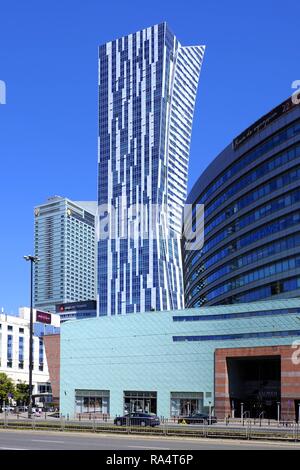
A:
[251,194]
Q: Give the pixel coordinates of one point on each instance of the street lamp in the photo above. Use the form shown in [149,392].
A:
[33,260]
[278,412]
[209,412]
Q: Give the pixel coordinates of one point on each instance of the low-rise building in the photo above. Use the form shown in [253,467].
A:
[224,359]
[14,350]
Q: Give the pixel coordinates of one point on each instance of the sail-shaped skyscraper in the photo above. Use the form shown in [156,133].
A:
[147,90]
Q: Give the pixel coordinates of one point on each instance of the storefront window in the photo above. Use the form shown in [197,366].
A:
[140,402]
[186,403]
[92,401]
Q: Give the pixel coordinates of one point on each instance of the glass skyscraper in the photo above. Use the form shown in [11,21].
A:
[147,91]
[65,243]
[251,193]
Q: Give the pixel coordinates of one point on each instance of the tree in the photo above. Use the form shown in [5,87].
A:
[22,394]
[7,388]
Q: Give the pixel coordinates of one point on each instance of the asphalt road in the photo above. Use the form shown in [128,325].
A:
[37,440]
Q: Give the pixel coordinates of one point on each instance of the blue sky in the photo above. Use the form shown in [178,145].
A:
[48,128]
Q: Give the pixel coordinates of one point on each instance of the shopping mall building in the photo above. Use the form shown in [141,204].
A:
[176,362]
[236,346]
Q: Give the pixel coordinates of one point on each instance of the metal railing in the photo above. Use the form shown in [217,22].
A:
[238,428]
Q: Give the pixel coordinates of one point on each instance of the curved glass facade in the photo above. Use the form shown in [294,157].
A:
[251,196]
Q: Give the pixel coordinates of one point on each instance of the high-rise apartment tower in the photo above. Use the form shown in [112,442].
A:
[147,91]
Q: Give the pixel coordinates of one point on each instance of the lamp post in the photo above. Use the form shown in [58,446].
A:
[278,412]
[33,260]
[210,412]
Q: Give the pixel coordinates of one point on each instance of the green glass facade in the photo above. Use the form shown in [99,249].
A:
[162,362]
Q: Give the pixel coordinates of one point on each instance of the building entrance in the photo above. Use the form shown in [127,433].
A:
[254,386]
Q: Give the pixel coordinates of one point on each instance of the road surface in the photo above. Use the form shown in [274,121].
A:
[40,440]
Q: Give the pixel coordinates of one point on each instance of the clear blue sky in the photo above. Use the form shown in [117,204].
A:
[48,59]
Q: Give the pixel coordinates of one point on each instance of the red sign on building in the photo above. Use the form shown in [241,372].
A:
[43,317]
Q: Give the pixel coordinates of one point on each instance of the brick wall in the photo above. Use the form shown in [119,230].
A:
[52,348]
[290,377]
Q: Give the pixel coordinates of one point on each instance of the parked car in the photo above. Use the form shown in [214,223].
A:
[197,418]
[137,419]
[50,409]
[22,409]
[56,414]
[8,408]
